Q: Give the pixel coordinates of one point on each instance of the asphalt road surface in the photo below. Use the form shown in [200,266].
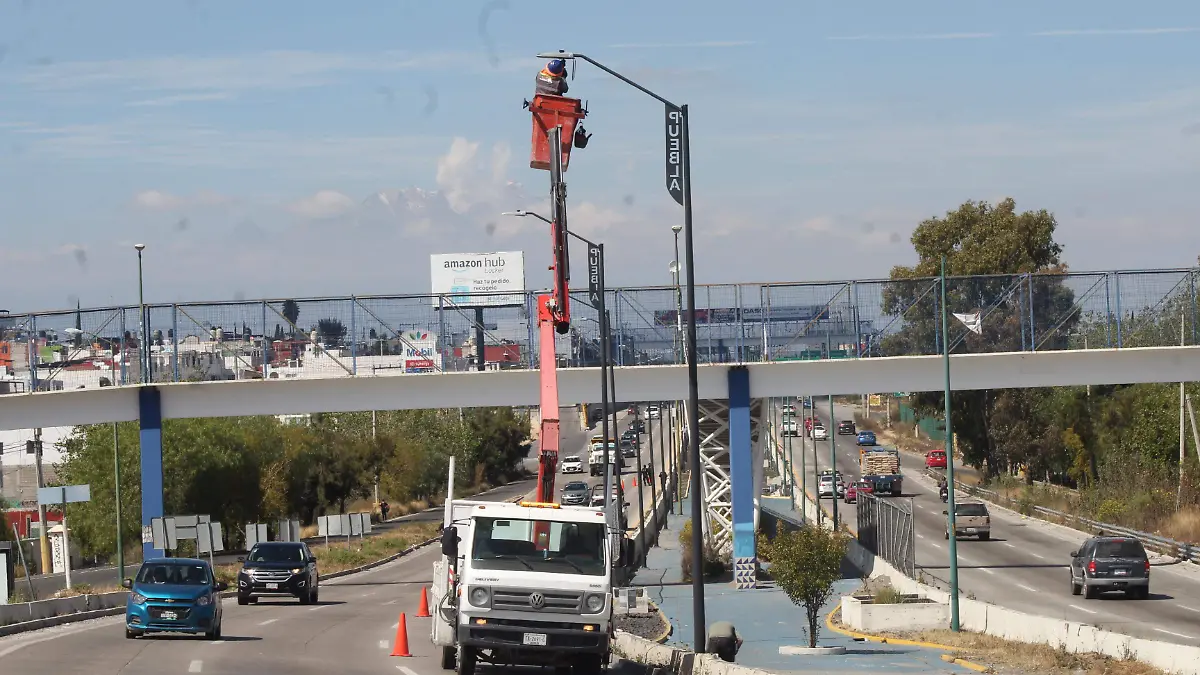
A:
[1024,565]
[353,630]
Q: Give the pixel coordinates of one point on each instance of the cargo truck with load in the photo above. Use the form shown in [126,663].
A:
[882,467]
[525,584]
[596,457]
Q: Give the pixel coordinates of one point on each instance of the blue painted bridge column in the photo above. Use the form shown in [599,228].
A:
[741,475]
[150,437]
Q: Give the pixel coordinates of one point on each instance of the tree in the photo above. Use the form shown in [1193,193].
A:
[331,331]
[503,441]
[806,563]
[291,312]
[1008,269]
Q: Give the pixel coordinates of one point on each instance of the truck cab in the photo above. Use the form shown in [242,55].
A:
[596,458]
[523,585]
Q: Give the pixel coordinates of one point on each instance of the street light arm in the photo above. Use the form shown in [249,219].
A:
[610,71]
[521,213]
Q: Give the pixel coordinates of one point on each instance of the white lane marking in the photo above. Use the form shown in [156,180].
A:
[1009,544]
[935,544]
[195,666]
[71,630]
[1031,590]
[406,670]
[1082,609]
[1178,635]
[920,536]
[391,602]
[383,644]
[984,569]
[1190,609]
[396,625]
[268,621]
[1036,555]
[313,609]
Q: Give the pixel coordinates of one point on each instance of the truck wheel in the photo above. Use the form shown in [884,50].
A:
[466,660]
[448,655]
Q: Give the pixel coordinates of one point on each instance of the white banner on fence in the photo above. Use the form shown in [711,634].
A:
[479,279]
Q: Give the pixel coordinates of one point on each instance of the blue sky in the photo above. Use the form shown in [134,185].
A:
[247,143]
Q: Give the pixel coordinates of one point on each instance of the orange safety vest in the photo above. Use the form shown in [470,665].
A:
[549,75]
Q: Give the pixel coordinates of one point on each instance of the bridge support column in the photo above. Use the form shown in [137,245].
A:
[150,438]
[742,474]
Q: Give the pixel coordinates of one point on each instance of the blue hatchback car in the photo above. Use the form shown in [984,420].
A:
[174,595]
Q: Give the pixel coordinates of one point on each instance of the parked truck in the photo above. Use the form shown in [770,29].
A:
[881,466]
[523,584]
[596,457]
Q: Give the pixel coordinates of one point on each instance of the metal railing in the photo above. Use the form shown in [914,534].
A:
[1181,550]
[382,335]
[885,528]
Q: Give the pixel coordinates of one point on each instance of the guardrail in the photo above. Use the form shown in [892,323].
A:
[1182,550]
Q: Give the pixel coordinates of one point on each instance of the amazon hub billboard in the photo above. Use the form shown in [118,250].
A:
[479,279]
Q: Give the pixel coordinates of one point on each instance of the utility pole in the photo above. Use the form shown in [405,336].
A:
[117,498]
[377,470]
[43,537]
[1182,426]
[951,527]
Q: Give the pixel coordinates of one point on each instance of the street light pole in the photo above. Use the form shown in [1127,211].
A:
[676,229]
[143,347]
[117,497]
[950,524]
[693,403]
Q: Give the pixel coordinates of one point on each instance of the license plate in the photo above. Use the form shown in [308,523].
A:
[534,639]
[272,587]
[970,530]
[1121,572]
[170,616]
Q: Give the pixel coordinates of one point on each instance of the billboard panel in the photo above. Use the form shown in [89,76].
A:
[479,279]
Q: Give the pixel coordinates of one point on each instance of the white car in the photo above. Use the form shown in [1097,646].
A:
[820,434]
[572,464]
[790,428]
[653,412]
[825,487]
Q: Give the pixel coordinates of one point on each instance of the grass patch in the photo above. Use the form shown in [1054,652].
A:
[85,589]
[1007,655]
[888,596]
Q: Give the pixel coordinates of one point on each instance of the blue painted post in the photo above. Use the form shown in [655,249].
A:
[1108,315]
[741,473]
[175,338]
[1117,282]
[353,338]
[150,438]
[1032,332]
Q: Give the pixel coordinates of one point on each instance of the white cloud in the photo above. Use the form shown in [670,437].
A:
[1100,32]
[713,44]
[468,180]
[322,205]
[157,200]
[163,101]
[892,38]
[220,76]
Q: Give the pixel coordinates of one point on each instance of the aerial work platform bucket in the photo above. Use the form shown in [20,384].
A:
[549,112]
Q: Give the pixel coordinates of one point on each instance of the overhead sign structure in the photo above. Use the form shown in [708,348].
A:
[65,494]
[674,154]
[479,279]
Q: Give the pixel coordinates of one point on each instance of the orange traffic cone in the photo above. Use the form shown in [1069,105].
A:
[423,610]
[635,481]
[401,648]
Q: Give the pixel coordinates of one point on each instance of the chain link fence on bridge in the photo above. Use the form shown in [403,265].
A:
[402,334]
[885,528]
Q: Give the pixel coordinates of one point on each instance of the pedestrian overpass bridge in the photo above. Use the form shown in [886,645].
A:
[732,423]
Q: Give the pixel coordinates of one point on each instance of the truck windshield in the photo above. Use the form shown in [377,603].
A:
[508,544]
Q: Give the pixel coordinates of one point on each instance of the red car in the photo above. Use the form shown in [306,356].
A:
[935,459]
[864,486]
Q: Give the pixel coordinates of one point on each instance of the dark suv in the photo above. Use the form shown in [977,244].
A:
[846,428]
[278,568]
[1110,564]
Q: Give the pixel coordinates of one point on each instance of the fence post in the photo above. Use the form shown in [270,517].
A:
[764,299]
[1020,295]
[854,317]
[265,341]
[122,346]
[442,332]
[1032,329]
[353,338]
[1108,314]
[531,309]
[175,340]
[937,313]
[33,353]
[1117,281]
[1192,294]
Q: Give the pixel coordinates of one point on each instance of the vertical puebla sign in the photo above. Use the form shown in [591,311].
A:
[675,153]
[594,261]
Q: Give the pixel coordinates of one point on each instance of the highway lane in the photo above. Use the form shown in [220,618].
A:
[1024,565]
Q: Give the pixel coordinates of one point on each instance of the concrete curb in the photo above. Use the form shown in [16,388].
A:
[661,638]
[949,658]
[640,650]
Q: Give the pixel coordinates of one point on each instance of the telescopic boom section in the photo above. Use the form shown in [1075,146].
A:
[549,436]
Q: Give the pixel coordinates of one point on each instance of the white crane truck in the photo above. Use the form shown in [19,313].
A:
[522,585]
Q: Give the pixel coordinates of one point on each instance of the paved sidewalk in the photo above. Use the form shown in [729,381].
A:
[767,620]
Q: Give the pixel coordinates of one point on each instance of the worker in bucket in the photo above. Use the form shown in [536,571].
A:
[552,80]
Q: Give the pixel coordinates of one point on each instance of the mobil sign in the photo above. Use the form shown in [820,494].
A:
[420,352]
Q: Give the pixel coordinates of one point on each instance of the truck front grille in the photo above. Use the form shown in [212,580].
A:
[518,599]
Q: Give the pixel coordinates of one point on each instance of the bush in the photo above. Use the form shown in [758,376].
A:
[805,563]
[888,596]
[714,564]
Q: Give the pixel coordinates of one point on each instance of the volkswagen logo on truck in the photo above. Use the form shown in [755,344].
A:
[537,600]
